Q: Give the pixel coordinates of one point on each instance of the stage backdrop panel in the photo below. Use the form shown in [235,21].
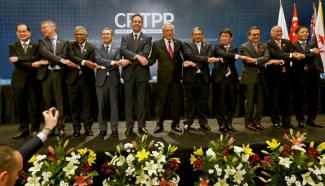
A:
[211,15]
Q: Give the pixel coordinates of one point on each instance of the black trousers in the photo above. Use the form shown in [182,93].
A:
[135,101]
[226,100]
[168,96]
[53,94]
[27,105]
[80,103]
[196,100]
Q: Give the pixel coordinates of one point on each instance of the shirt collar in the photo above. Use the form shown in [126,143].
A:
[27,42]
[139,33]
[166,40]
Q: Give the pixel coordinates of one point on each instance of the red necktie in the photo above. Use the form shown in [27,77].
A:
[170,49]
[135,40]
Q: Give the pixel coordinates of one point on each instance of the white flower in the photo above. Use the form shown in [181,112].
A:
[118,161]
[239,176]
[159,156]
[74,158]
[46,176]
[222,182]
[63,183]
[70,169]
[105,182]
[160,145]
[129,159]
[285,162]
[151,167]
[298,183]
[211,154]
[229,172]
[218,169]
[33,181]
[129,171]
[298,148]
[36,168]
[322,160]
[211,171]
[307,179]
[238,149]
[153,181]
[245,157]
[142,179]
[128,147]
[40,157]
[290,180]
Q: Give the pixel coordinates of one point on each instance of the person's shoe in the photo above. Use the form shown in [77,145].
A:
[102,133]
[288,126]
[129,132]
[231,128]
[114,133]
[176,128]
[259,126]
[76,133]
[61,133]
[223,128]
[205,127]
[89,132]
[142,131]
[301,124]
[276,125]
[21,134]
[250,126]
[313,123]
[158,129]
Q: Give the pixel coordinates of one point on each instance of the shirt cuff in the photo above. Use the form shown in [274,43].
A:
[112,62]
[83,62]
[290,55]
[236,56]
[282,62]
[42,137]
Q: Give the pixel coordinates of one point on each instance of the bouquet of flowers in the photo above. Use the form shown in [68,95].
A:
[225,164]
[145,163]
[293,163]
[62,167]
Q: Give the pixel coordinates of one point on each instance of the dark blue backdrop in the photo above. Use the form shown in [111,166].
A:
[211,15]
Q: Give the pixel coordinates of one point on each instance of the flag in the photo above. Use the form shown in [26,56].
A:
[294,24]
[319,31]
[313,23]
[282,22]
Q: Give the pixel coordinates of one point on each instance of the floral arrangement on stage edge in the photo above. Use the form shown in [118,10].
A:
[225,164]
[293,163]
[141,164]
[62,167]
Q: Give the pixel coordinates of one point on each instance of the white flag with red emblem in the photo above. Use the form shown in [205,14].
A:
[282,22]
[294,25]
[313,23]
[319,31]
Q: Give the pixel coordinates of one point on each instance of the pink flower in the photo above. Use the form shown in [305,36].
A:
[204,182]
[297,141]
[81,181]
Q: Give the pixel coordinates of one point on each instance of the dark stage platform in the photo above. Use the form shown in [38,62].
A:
[185,141]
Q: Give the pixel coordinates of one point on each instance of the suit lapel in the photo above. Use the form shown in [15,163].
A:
[163,45]
[252,49]
[195,47]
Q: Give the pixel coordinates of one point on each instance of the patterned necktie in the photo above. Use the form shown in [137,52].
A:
[135,40]
[25,48]
[53,42]
[170,49]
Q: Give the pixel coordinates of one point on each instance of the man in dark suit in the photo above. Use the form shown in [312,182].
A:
[305,74]
[108,82]
[277,78]
[225,80]
[80,81]
[253,77]
[136,48]
[53,49]
[196,78]
[167,51]
[24,55]
[12,161]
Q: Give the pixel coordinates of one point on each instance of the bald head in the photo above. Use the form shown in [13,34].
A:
[276,32]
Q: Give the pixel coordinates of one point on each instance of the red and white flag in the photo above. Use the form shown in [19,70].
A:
[294,25]
[282,22]
[319,31]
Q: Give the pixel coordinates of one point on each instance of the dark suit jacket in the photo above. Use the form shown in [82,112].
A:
[167,67]
[275,53]
[102,58]
[252,71]
[30,148]
[312,60]
[128,50]
[75,56]
[23,67]
[221,68]
[46,51]
[191,53]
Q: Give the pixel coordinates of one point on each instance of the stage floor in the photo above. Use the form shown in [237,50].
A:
[184,141]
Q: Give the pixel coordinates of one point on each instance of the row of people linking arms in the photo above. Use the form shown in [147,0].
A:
[271,70]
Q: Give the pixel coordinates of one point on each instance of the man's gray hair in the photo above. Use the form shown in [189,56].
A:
[82,28]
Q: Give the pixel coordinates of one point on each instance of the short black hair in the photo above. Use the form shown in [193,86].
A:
[137,15]
[225,31]
[299,28]
[254,27]
[19,24]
